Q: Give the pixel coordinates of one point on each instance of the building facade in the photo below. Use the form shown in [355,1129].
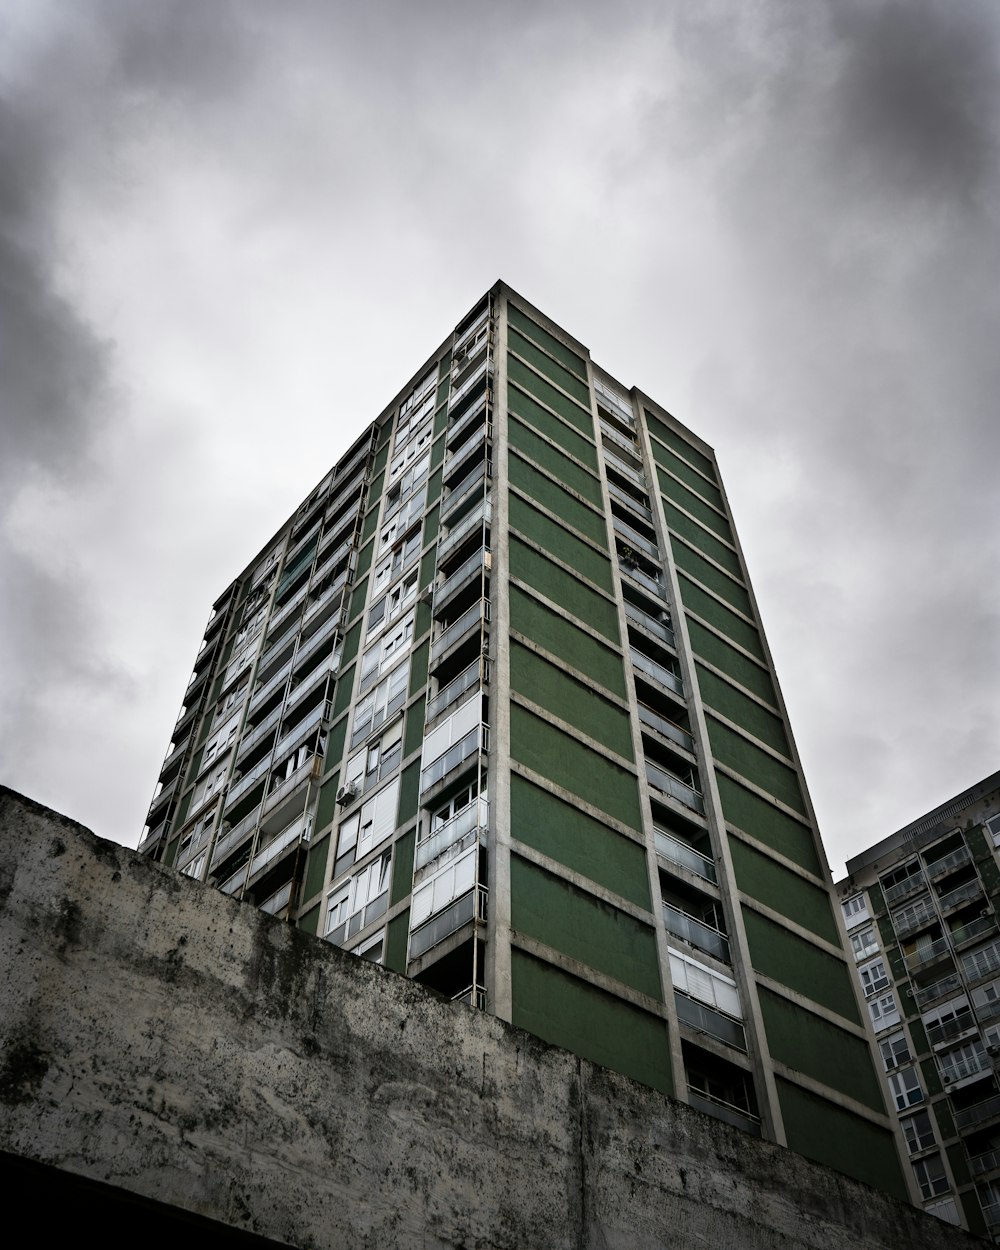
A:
[920,911]
[495,708]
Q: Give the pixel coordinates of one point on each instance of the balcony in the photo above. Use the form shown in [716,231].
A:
[262,694]
[287,793]
[948,863]
[285,614]
[963,894]
[892,893]
[471,619]
[454,837]
[174,758]
[231,840]
[913,918]
[980,1164]
[471,906]
[667,783]
[696,933]
[455,689]
[966,1066]
[726,1111]
[677,852]
[637,541]
[460,395]
[705,1019]
[279,900]
[478,518]
[245,783]
[464,574]
[257,735]
[462,428]
[629,501]
[628,444]
[301,688]
[940,1033]
[653,720]
[642,579]
[476,740]
[268,854]
[465,491]
[656,672]
[472,996]
[302,729]
[939,989]
[978,1113]
[925,956]
[659,629]
[983,926]
[160,801]
[323,634]
[619,466]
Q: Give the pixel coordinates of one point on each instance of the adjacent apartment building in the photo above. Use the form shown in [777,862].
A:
[494,707]
[921,915]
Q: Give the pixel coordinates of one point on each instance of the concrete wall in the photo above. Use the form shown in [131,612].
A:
[166,1040]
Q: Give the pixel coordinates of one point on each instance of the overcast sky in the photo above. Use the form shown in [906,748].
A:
[230,231]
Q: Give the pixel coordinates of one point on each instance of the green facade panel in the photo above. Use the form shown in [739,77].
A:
[818,1048]
[555,347]
[532,567]
[782,890]
[835,1137]
[409,793]
[763,821]
[693,503]
[309,923]
[524,440]
[315,873]
[564,545]
[549,494]
[705,572]
[720,617]
[563,832]
[560,636]
[522,405]
[396,933]
[569,699]
[326,805]
[690,477]
[735,706]
[686,527]
[564,378]
[732,662]
[414,733]
[779,953]
[583,927]
[659,429]
[550,396]
[743,757]
[565,1011]
[558,756]
[402,867]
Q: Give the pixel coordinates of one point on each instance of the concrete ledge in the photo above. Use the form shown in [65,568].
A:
[164,1040]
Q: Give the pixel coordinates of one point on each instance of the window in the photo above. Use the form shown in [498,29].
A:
[905,1087]
[372,949]
[386,609]
[873,977]
[917,1132]
[209,785]
[969,1059]
[414,447]
[359,902]
[982,962]
[902,879]
[451,882]
[931,1176]
[894,1050]
[986,995]
[947,1211]
[883,1012]
[864,942]
[705,984]
[194,869]
[993,829]
[855,910]
[234,697]
[370,825]
[383,654]
[220,740]
[387,697]
[394,563]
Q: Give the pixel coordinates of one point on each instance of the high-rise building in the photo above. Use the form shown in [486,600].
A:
[921,915]
[495,708]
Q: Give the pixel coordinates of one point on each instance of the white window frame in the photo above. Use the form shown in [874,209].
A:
[905,1088]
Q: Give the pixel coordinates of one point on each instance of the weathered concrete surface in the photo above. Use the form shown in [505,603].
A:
[164,1039]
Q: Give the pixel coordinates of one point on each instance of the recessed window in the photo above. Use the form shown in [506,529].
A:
[894,1050]
[905,1087]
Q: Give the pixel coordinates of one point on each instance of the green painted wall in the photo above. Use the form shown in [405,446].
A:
[706,573]
[691,477]
[680,523]
[561,587]
[584,927]
[563,832]
[562,695]
[409,793]
[527,379]
[811,1045]
[418,667]
[756,765]
[414,734]
[663,432]
[584,772]
[402,867]
[831,1135]
[720,617]
[561,543]
[690,502]
[358,598]
[565,379]
[783,955]
[315,868]
[524,406]
[342,695]
[525,440]
[351,640]
[740,667]
[555,347]
[397,932]
[568,1012]
[552,496]
[783,890]
[326,805]
[735,705]
[364,559]
[309,923]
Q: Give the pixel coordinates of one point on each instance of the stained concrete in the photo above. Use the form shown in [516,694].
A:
[166,1041]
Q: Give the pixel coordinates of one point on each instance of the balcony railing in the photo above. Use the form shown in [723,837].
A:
[323,634]
[667,783]
[464,573]
[628,444]
[456,835]
[464,490]
[477,378]
[902,888]
[619,466]
[234,837]
[470,619]
[928,954]
[981,927]
[302,730]
[284,789]
[978,1113]
[473,996]
[454,690]
[989,1161]
[944,1031]
[477,412]
[963,894]
[680,853]
[659,629]
[909,919]
[268,854]
[658,672]
[725,1111]
[263,693]
[967,1065]
[630,502]
[471,906]
[665,727]
[641,579]
[991,1214]
[635,539]
[278,900]
[697,933]
[707,1020]
[948,863]
[938,989]
[258,732]
[478,517]
[476,740]
[247,781]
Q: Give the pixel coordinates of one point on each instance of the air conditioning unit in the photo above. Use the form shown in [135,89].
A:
[348,792]
[993,1048]
[488,561]
[947,1078]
